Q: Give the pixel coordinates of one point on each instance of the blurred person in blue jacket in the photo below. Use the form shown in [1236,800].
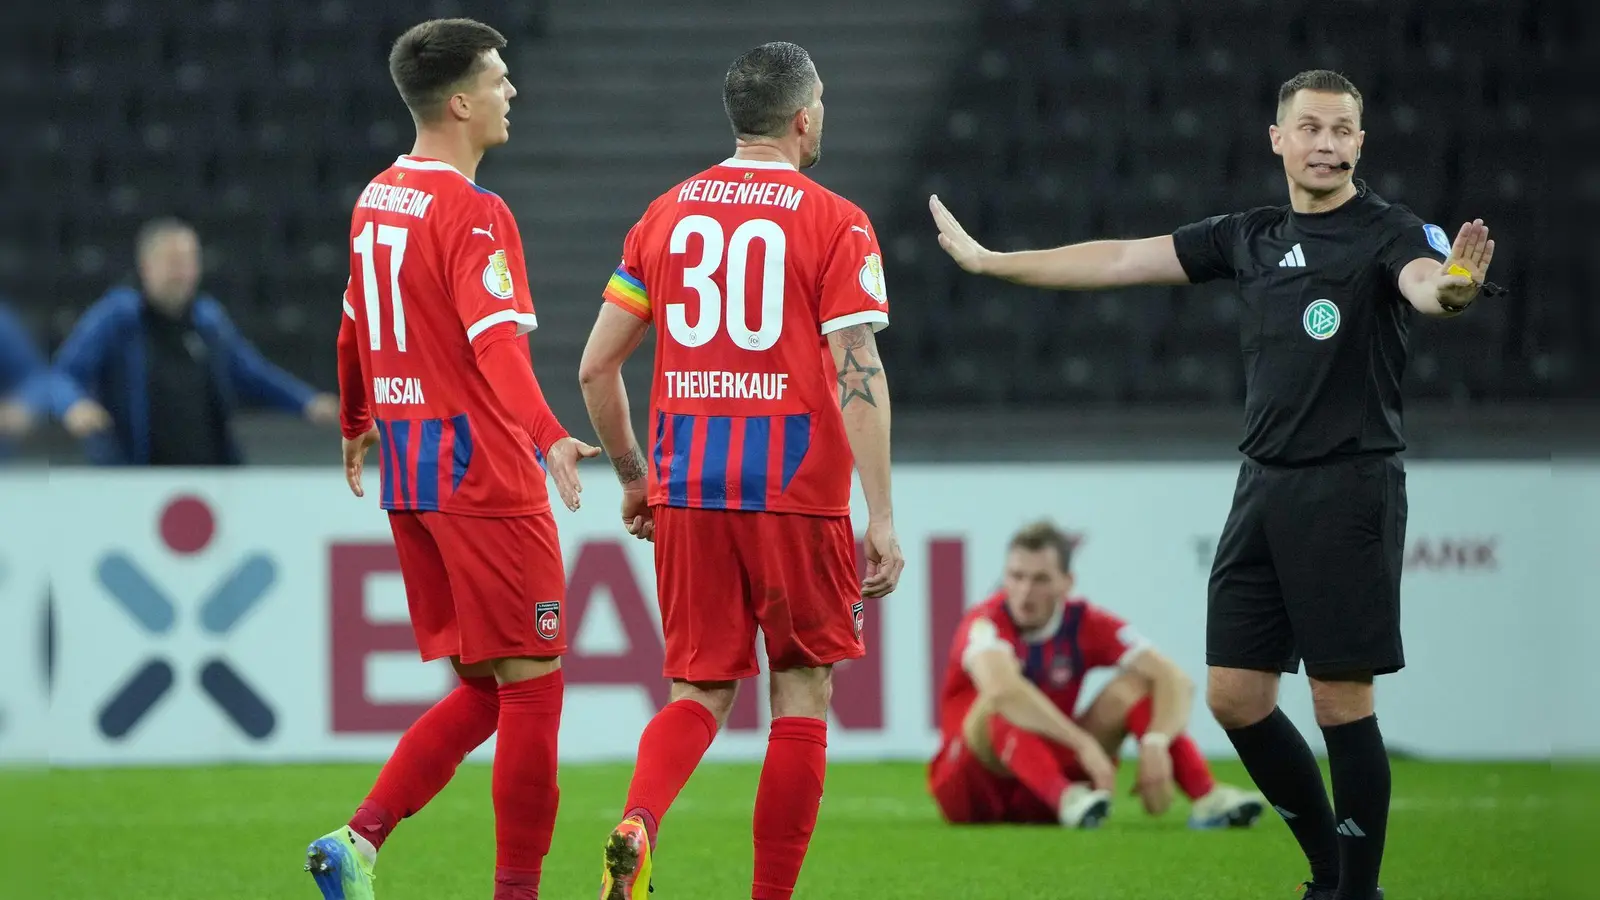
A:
[29,390]
[168,366]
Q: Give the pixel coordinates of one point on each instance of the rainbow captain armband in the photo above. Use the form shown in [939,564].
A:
[628,292]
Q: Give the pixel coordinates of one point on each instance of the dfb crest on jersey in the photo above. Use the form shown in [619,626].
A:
[1437,239]
[547,616]
[872,278]
[1321,319]
[858,615]
[497,276]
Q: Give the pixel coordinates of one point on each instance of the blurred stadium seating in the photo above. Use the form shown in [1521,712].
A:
[257,123]
[1060,129]
[1058,122]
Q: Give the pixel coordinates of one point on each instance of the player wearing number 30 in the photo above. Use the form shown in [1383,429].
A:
[435,369]
[766,290]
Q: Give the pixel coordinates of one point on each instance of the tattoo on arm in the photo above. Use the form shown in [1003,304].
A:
[856,337]
[857,372]
[629,466]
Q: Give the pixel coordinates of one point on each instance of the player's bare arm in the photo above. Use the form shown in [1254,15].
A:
[615,336]
[860,367]
[1172,698]
[629,466]
[1171,691]
[1086,266]
[1448,288]
[1003,691]
[864,403]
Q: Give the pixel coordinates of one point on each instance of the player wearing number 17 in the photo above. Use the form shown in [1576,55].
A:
[434,369]
[766,290]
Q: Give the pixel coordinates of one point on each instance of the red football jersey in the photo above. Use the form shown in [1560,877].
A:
[1055,657]
[436,261]
[744,269]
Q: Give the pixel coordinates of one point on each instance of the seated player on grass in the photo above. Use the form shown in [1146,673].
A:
[1011,750]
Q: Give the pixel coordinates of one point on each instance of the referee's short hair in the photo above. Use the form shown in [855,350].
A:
[1322,80]
[1044,535]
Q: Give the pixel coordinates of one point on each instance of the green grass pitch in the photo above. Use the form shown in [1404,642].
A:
[1461,832]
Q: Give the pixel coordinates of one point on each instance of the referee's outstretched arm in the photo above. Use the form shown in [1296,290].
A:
[1445,289]
[1079,267]
[1432,287]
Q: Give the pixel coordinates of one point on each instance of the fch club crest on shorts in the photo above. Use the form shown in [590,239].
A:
[547,616]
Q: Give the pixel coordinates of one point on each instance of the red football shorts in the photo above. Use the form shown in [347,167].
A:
[482,587]
[720,574]
[967,793]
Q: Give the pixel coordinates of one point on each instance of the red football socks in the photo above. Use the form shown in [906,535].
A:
[1031,758]
[427,756]
[1189,769]
[669,750]
[787,802]
[524,783]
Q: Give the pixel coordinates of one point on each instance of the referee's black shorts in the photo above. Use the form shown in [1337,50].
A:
[1309,568]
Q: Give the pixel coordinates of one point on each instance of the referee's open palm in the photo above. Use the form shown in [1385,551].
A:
[1471,252]
[967,252]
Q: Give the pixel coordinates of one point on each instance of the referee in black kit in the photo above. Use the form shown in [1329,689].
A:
[1309,561]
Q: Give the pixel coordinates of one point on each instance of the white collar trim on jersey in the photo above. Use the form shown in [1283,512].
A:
[428,165]
[1048,629]
[735,163]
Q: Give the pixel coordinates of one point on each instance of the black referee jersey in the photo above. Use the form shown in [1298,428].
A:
[1324,325]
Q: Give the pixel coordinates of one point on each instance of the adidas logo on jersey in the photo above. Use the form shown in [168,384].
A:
[1294,259]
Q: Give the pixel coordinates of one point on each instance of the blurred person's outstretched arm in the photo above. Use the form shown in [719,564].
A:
[23,376]
[258,380]
[78,364]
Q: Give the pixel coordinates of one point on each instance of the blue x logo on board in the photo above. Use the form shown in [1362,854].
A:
[154,611]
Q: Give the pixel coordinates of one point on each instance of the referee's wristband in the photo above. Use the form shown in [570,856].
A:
[1155,739]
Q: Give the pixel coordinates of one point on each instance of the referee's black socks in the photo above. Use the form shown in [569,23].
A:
[1285,771]
[1360,768]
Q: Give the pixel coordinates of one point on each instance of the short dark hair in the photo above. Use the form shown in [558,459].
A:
[432,59]
[158,228]
[1044,535]
[1323,80]
[766,86]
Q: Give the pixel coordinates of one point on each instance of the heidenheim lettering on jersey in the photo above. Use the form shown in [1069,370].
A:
[757,193]
[396,199]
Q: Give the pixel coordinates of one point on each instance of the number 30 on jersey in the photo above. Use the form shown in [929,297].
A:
[736,247]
